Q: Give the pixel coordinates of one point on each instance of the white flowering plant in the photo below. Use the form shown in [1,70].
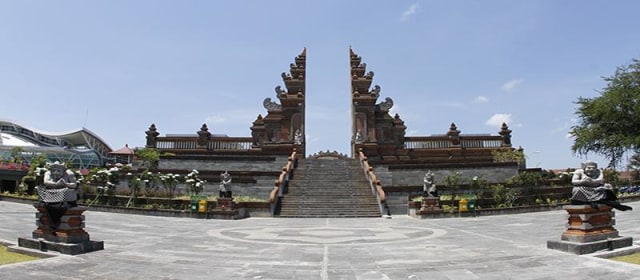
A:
[150,181]
[170,183]
[194,184]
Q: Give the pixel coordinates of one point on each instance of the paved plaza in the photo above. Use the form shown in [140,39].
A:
[490,247]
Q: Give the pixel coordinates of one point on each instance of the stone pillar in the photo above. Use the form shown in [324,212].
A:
[69,237]
[589,230]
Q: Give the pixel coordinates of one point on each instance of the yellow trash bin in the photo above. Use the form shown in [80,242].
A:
[202,205]
[463,205]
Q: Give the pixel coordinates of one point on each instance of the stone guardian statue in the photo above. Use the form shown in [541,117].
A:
[225,185]
[589,188]
[58,192]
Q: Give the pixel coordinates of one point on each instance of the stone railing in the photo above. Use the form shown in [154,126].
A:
[214,143]
[282,183]
[376,187]
[444,142]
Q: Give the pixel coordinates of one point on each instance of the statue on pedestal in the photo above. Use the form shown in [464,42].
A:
[60,222]
[429,187]
[589,188]
[430,197]
[225,185]
[58,193]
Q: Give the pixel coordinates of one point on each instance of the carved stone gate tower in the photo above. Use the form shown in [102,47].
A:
[373,128]
[284,122]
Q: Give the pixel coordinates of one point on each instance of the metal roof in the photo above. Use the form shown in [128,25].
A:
[75,139]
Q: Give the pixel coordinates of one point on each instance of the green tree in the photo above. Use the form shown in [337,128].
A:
[609,124]
[149,156]
[634,164]
[16,154]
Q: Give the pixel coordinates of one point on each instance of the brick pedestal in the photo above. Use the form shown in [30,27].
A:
[69,237]
[225,209]
[589,230]
[430,205]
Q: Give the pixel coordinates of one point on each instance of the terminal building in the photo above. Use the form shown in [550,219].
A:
[81,148]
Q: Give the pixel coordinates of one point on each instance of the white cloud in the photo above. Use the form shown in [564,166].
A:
[412,132]
[510,85]
[497,119]
[481,99]
[215,119]
[453,104]
[410,11]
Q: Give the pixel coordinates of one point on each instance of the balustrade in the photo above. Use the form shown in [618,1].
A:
[215,143]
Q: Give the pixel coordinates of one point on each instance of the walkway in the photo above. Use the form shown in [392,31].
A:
[492,247]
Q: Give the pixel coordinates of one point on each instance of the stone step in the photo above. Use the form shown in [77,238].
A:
[325,204]
[335,199]
[333,193]
[329,188]
[328,210]
[331,210]
[331,216]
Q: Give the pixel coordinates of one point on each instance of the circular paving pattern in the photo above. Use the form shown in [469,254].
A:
[325,235]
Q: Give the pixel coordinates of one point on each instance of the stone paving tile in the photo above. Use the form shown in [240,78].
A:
[492,247]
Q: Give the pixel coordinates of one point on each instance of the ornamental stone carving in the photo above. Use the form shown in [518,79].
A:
[271,106]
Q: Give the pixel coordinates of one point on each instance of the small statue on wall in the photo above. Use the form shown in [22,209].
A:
[297,137]
[429,186]
[358,137]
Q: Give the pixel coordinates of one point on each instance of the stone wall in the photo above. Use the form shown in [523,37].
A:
[253,181]
[396,177]
[270,163]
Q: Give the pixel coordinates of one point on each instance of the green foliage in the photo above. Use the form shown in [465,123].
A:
[150,182]
[169,183]
[565,176]
[632,258]
[453,180]
[16,154]
[149,156]
[244,198]
[510,155]
[547,201]
[528,182]
[612,176]
[35,173]
[634,165]
[608,124]
[453,183]
[504,197]
[479,186]
[7,257]
[525,179]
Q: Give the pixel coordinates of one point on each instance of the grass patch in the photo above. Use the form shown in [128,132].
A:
[633,258]
[7,257]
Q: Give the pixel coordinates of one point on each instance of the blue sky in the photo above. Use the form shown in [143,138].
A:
[115,67]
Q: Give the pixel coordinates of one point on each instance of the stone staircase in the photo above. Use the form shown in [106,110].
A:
[323,188]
